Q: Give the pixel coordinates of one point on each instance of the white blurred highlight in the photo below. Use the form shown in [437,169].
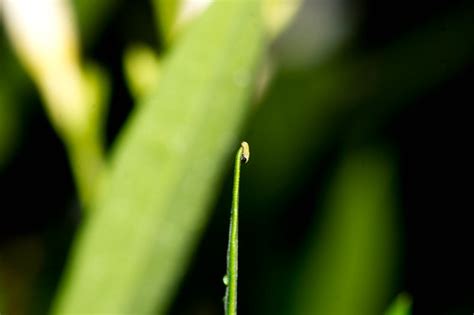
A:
[44,36]
[191,9]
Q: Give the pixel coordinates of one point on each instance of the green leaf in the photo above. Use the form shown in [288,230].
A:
[350,259]
[401,305]
[166,12]
[134,246]
[86,147]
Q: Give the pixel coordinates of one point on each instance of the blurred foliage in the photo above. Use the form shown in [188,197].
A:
[142,69]
[166,13]
[322,225]
[349,260]
[401,306]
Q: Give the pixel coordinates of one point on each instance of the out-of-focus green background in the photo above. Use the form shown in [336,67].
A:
[356,191]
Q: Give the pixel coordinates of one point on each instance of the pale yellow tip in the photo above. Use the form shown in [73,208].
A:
[245,152]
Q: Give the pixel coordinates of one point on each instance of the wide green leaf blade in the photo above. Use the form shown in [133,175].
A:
[134,246]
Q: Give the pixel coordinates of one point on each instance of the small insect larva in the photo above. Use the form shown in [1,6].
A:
[245,152]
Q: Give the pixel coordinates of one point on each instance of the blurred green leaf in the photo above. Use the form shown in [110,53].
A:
[74,98]
[132,250]
[401,306]
[86,147]
[166,12]
[348,265]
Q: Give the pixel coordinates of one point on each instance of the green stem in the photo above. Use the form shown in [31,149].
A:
[87,162]
[230,279]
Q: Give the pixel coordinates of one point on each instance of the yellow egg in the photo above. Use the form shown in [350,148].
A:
[245,152]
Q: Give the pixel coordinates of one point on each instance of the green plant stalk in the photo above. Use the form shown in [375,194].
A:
[231,276]
[86,156]
[85,145]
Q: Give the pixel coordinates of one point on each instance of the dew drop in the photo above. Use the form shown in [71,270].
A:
[226,280]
